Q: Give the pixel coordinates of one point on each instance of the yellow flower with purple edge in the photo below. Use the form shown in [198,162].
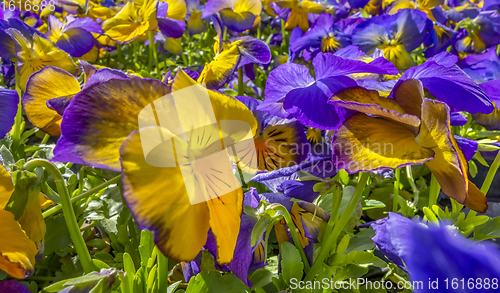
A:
[409,129]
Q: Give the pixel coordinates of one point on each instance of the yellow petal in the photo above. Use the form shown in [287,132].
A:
[449,164]
[159,199]
[48,83]
[253,6]
[225,212]
[476,200]
[368,143]
[409,94]
[32,221]
[216,73]
[6,187]
[176,9]
[17,251]
[369,102]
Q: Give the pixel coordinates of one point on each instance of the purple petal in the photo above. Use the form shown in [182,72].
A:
[59,104]
[392,237]
[437,254]
[237,22]
[85,23]
[9,100]
[171,28]
[76,41]
[457,119]
[105,74]
[280,82]
[214,6]
[252,50]
[12,286]
[467,146]
[328,65]
[452,86]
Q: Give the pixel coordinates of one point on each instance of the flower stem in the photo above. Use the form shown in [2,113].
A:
[69,214]
[339,226]
[337,199]
[491,174]
[89,192]
[295,236]
[241,85]
[395,193]
[416,192]
[152,50]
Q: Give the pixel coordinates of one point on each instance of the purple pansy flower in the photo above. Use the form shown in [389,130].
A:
[291,92]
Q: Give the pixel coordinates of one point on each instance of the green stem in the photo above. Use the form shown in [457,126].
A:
[332,238]
[241,85]
[44,141]
[69,214]
[434,191]
[81,182]
[416,192]
[295,236]
[152,48]
[57,208]
[18,119]
[491,174]
[120,54]
[395,193]
[283,36]
[337,195]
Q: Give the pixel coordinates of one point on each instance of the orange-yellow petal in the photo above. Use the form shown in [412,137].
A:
[366,143]
[369,102]
[6,187]
[17,251]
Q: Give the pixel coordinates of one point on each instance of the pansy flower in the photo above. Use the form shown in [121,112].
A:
[480,33]
[406,130]
[195,23]
[439,38]
[33,55]
[427,6]
[50,90]
[74,35]
[133,20]
[170,16]
[297,13]
[396,35]
[231,55]
[291,92]
[324,35]
[278,142]
[237,15]
[181,226]
[17,251]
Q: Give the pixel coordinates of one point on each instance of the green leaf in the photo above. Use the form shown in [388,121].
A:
[261,277]
[362,259]
[260,227]
[172,287]
[343,176]
[372,204]
[291,262]
[349,272]
[488,230]
[472,169]
[146,247]
[152,279]
[208,282]
[99,264]
[361,241]
[7,158]
[342,246]
[129,267]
